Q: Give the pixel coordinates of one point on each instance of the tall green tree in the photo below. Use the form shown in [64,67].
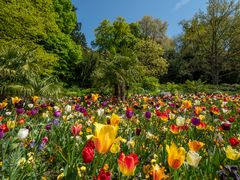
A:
[118,66]
[213,38]
[66,15]
[114,36]
[155,29]
[150,54]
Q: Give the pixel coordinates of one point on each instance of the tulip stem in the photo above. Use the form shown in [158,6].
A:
[95,165]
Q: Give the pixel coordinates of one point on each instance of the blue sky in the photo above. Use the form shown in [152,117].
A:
[92,12]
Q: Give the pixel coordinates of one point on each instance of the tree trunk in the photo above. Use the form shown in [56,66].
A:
[122,91]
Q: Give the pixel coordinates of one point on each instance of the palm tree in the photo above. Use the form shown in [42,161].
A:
[118,72]
[20,74]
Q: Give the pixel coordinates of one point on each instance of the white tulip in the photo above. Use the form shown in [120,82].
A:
[193,158]
[180,121]
[100,112]
[68,108]
[23,133]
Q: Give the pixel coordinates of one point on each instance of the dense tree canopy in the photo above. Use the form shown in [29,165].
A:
[212,40]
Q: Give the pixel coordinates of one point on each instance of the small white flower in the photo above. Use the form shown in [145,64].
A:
[100,112]
[30,105]
[68,108]
[56,108]
[23,133]
[8,113]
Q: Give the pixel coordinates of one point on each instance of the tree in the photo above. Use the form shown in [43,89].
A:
[78,37]
[20,74]
[118,72]
[118,66]
[114,36]
[67,17]
[150,54]
[155,30]
[27,20]
[214,39]
[69,53]
[45,26]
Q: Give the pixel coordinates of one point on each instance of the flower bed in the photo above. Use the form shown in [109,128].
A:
[194,136]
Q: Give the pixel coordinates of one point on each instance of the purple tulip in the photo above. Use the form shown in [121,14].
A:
[20,110]
[43,106]
[1,133]
[104,104]
[48,127]
[77,107]
[34,111]
[195,121]
[148,115]
[129,114]
[57,113]
[82,109]
[138,131]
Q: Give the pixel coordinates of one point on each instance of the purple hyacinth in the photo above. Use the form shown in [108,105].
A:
[20,110]
[55,122]
[148,115]
[1,133]
[57,113]
[129,114]
[195,121]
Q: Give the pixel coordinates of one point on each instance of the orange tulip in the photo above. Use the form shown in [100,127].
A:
[105,136]
[127,164]
[186,104]
[158,173]
[195,145]
[176,156]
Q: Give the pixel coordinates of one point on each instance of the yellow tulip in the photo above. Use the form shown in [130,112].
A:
[176,156]
[193,158]
[158,173]
[94,97]
[115,119]
[11,124]
[16,100]
[104,137]
[115,148]
[3,105]
[195,145]
[231,153]
[35,98]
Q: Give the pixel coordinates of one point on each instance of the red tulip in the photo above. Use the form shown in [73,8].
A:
[104,175]
[127,164]
[234,141]
[87,154]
